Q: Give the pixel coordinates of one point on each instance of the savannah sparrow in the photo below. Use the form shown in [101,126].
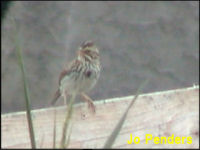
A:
[81,75]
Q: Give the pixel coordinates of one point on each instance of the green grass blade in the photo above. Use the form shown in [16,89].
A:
[26,92]
[54,131]
[66,126]
[68,139]
[110,141]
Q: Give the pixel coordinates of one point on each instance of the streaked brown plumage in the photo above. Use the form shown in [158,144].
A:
[81,75]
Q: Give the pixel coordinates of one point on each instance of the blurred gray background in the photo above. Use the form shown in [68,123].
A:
[137,40]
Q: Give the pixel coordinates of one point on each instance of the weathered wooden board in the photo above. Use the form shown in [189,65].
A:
[160,114]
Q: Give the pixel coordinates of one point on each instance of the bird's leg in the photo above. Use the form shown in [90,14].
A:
[89,101]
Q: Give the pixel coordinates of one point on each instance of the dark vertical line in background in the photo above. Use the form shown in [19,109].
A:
[4,8]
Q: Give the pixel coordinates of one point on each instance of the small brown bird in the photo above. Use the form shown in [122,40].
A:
[81,75]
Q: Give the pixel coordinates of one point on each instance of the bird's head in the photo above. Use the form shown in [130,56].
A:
[89,51]
[89,45]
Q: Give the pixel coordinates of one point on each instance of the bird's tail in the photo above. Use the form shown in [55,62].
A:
[56,96]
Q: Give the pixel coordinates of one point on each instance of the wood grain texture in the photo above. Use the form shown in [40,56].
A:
[160,114]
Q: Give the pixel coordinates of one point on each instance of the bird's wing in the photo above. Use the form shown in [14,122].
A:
[63,74]
[71,68]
